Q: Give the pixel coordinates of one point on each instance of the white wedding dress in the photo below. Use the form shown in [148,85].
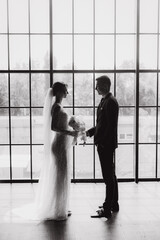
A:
[51,201]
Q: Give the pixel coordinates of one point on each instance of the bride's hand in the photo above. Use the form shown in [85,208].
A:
[74,133]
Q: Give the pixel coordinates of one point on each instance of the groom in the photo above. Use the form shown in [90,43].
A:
[105,138]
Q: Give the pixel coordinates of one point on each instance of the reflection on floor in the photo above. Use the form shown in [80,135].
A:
[138,218]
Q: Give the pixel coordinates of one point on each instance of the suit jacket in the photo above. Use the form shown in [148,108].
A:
[105,131]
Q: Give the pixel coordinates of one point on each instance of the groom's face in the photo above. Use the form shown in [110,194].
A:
[100,89]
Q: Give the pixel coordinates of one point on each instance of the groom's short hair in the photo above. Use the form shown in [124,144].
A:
[104,82]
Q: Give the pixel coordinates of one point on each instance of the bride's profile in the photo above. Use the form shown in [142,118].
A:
[51,201]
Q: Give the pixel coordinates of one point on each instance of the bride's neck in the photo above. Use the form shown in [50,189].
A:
[58,100]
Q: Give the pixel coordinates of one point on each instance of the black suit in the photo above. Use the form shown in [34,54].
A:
[105,138]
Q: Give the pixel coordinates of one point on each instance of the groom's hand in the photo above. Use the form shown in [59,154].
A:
[87,134]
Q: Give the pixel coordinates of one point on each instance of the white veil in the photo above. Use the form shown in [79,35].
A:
[51,197]
[41,208]
[47,124]
[48,168]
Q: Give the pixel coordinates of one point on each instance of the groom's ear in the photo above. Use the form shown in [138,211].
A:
[108,88]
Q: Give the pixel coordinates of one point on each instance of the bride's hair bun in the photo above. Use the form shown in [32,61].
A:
[59,87]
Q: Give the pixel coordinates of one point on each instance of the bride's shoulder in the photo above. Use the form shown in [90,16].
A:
[57,110]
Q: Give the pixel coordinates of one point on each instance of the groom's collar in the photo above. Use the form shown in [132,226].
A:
[107,95]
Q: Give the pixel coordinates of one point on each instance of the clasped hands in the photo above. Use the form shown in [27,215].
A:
[81,134]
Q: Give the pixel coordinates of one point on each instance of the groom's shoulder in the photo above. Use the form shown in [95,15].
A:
[110,101]
[114,99]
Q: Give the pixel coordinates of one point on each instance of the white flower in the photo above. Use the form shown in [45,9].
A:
[78,125]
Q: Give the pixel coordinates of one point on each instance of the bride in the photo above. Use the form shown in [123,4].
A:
[53,190]
[51,201]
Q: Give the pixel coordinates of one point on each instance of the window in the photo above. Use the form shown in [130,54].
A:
[76,41]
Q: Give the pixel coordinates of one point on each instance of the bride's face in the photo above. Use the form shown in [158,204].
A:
[65,92]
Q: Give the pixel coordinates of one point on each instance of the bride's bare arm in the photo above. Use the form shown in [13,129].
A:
[64,131]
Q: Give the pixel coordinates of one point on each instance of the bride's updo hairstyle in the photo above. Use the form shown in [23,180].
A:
[59,87]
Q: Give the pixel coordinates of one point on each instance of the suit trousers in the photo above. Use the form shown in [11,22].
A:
[106,157]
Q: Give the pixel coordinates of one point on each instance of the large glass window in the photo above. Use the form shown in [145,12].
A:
[76,41]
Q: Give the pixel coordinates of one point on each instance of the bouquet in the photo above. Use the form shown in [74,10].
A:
[78,125]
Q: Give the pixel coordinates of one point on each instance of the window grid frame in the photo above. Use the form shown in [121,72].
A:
[51,71]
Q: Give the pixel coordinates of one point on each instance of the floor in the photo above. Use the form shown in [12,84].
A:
[138,218]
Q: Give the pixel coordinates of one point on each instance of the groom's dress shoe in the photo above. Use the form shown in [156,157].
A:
[100,207]
[102,213]
[69,213]
[114,208]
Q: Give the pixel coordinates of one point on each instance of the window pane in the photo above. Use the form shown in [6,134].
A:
[19,52]
[62,16]
[19,90]
[4,162]
[159,90]
[125,162]
[148,16]
[97,96]
[37,153]
[147,89]
[67,79]
[125,16]
[4,53]
[37,126]
[39,11]
[159,125]
[62,52]
[3,90]
[83,52]
[3,16]
[4,126]
[21,162]
[83,95]
[147,125]
[20,126]
[147,160]
[4,111]
[83,16]
[125,91]
[40,84]
[84,161]
[125,56]
[40,52]
[148,52]
[158,160]
[126,125]
[104,16]
[18,16]
[104,52]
